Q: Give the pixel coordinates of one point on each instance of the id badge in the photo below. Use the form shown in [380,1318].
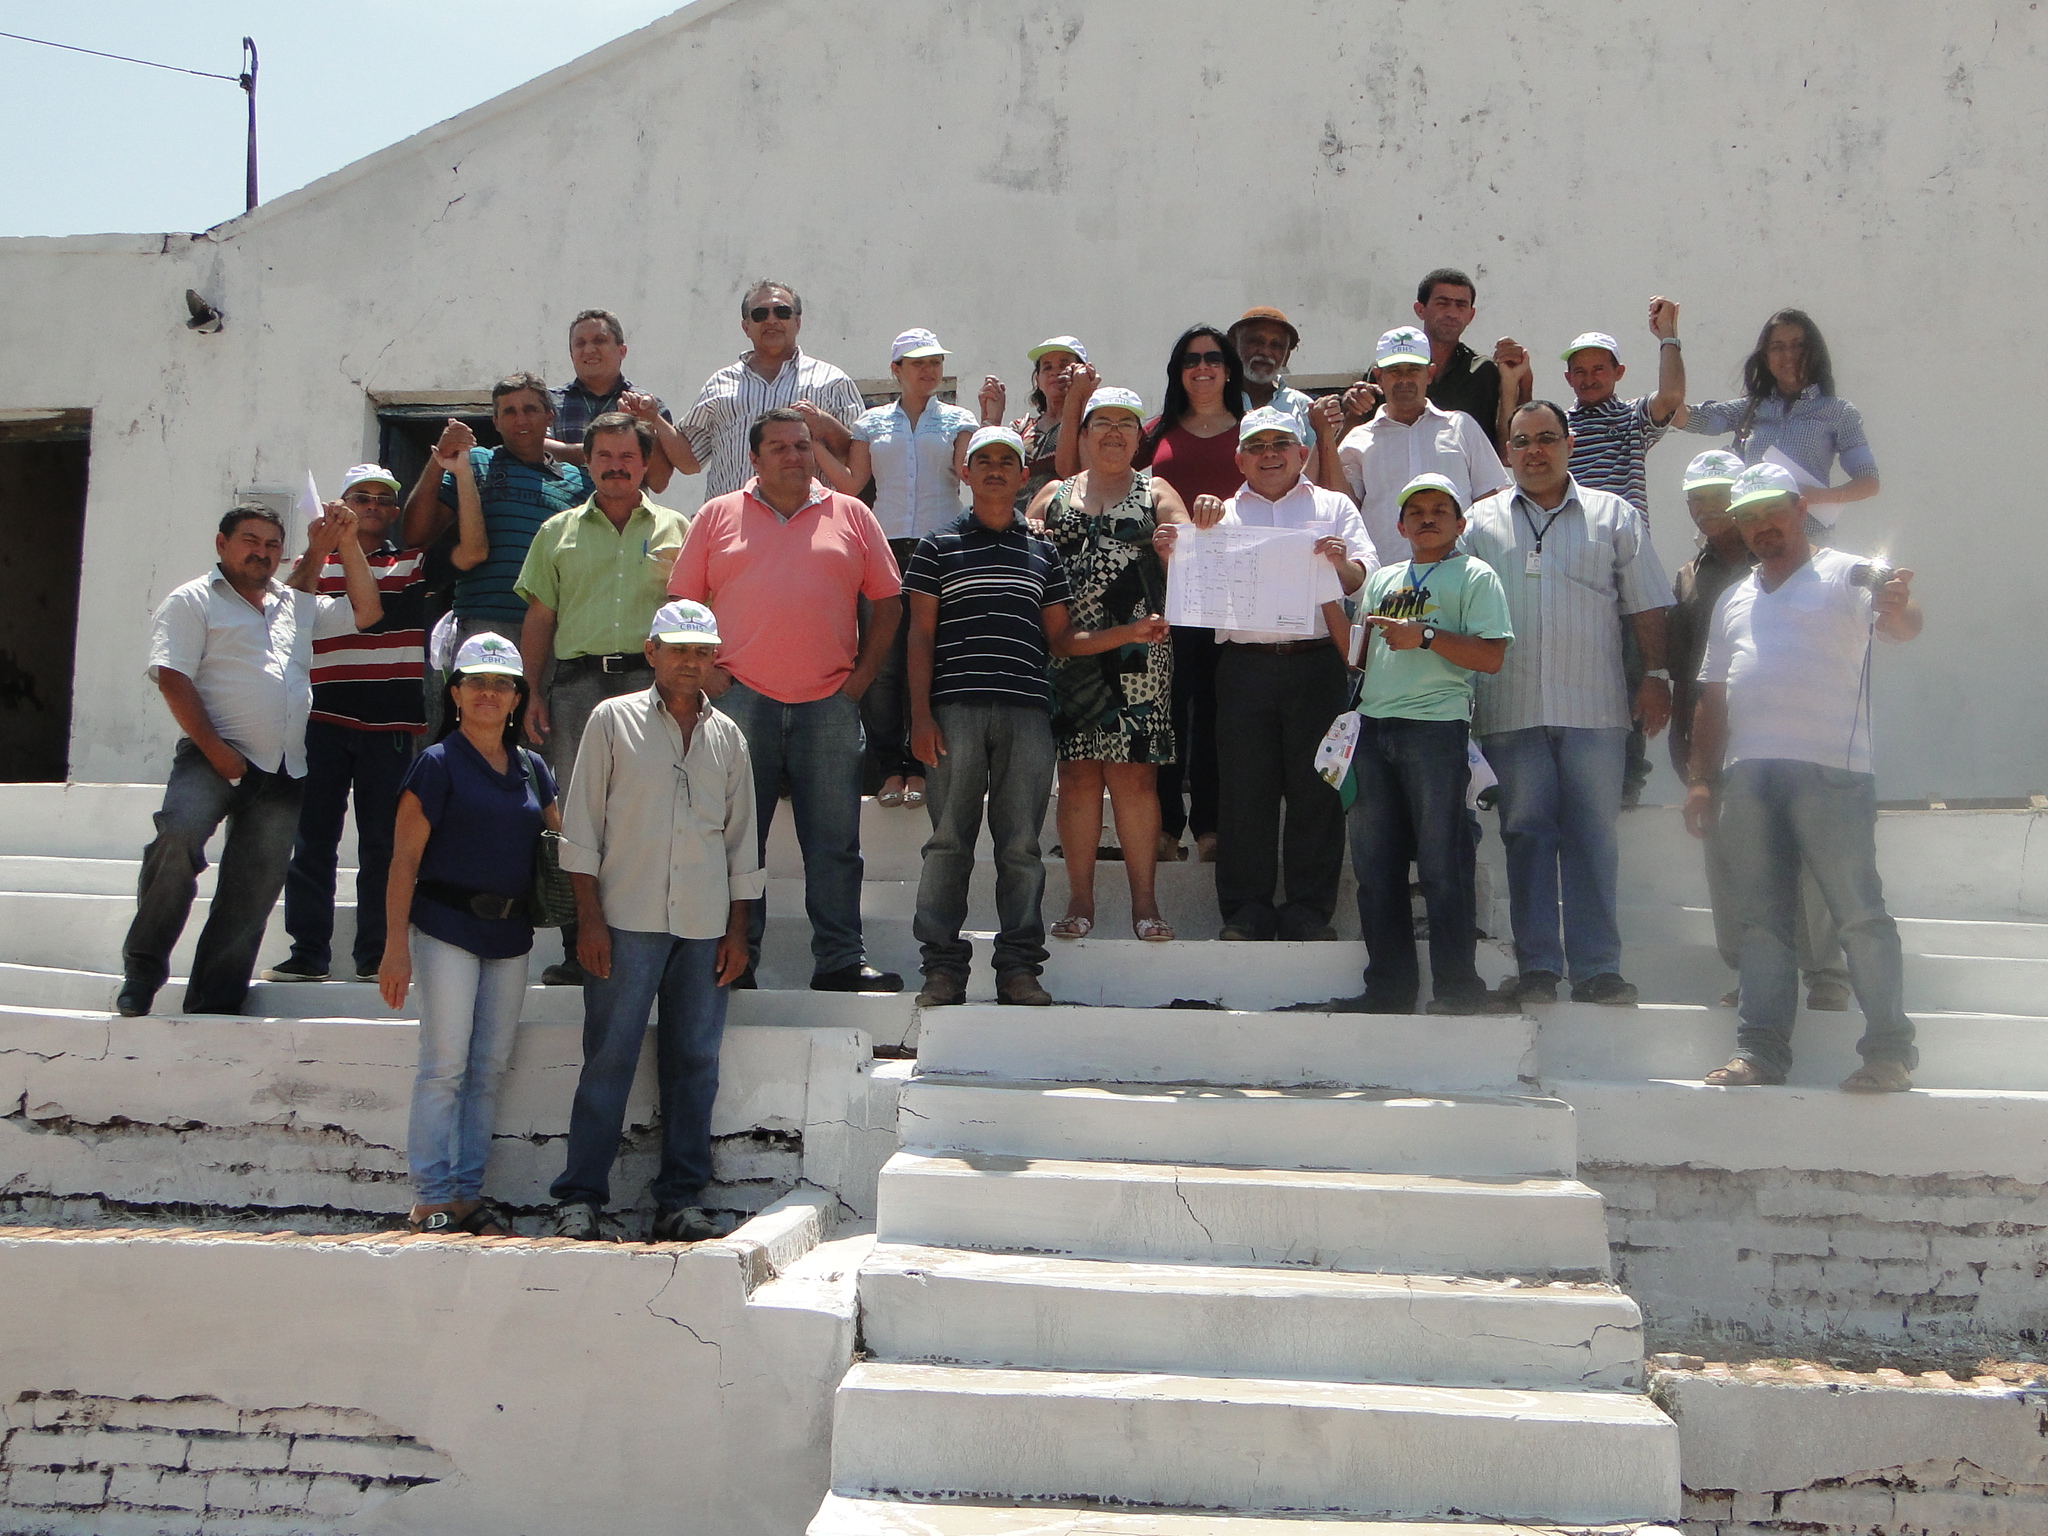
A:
[1532,563]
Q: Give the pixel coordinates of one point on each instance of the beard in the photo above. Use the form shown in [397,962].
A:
[1260,370]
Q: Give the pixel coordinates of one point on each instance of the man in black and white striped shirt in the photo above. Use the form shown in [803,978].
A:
[775,372]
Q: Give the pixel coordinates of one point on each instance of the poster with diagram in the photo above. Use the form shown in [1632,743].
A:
[1233,577]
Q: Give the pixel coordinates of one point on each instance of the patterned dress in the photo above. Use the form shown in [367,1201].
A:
[1116,707]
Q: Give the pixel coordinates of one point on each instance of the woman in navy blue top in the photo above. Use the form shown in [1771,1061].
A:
[470,815]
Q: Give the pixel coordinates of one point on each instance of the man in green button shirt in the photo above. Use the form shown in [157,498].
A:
[593,579]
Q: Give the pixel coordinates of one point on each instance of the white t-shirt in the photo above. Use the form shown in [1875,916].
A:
[1793,661]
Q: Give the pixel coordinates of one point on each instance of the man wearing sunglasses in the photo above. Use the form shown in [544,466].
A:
[369,711]
[774,373]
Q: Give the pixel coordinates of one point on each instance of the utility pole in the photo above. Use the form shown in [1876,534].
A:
[248,84]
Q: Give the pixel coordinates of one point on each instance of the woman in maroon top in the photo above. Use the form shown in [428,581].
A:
[1192,446]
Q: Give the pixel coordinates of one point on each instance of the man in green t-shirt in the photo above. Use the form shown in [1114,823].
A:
[1434,619]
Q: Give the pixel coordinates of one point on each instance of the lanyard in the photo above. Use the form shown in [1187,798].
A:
[1543,532]
[1420,588]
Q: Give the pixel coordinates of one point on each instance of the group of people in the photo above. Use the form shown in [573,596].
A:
[836,614]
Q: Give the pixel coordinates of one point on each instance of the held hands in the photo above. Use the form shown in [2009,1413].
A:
[1362,402]
[995,395]
[645,407]
[1080,376]
[1326,417]
[324,534]
[1653,705]
[927,741]
[1663,318]
[1207,512]
[1400,634]
[394,974]
[1511,358]
[451,451]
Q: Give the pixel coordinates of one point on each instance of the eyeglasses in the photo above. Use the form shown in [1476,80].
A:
[357,499]
[1523,440]
[1201,360]
[761,312]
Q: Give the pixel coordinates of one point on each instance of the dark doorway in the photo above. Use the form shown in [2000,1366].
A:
[43,465]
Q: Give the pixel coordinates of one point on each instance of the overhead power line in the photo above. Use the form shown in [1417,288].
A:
[123,58]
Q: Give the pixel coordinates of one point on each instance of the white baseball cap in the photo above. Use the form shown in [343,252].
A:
[1761,482]
[1593,339]
[1403,344]
[1266,419]
[1111,398]
[489,653]
[1001,437]
[1717,466]
[1059,344]
[916,342]
[369,474]
[1430,483]
[684,623]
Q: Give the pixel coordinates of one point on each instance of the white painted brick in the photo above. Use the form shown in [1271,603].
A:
[177,1413]
[68,1412]
[239,1453]
[155,1489]
[333,1496]
[1909,1279]
[38,1489]
[117,1521]
[1858,1508]
[1754,1508]
[1625,1195]
[114,1447]
[1797,1238]
[366,1458]
[1863,1242]
[250,1493]
[307,1421]
[2018,1515]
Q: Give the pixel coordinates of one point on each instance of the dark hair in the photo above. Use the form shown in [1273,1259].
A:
[1449,277]
[242,511]
[761,284]
[1176,405]
[1038,401]
[1551,406]
[620,421]
[515,723]
[1757,382]
[513,383]
[611,323]
[780,413]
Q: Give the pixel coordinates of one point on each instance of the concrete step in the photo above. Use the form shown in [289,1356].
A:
[1683,923]
[1359,1129]
[1693,973]
[1272,1050]
[1250,1444]
[1363,1222]
[900,1517]
[950,1307]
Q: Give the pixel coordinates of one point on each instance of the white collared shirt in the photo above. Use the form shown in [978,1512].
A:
[1381,456]
[253,669]
[916,491]
[1311,508]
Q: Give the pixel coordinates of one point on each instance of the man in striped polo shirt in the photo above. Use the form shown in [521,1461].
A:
[369,708]
[984,593]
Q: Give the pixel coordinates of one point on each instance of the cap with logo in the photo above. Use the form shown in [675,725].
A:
[1059,344]
[1403,344]
[684,623]
[1266,419]
[1598,339]
[369,474]
[1430,483]
[1268,313]
[1000,437]
[1111,398]
[1761,482]
[489,653]
[916,342]
[1717,466]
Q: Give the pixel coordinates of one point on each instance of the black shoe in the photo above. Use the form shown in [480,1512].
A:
[1235,935]
[1530,987]
[859,977]
[567,974]
[579,1221]
[1478,1003]
[1322,933]
[295,969]
[1606,988]
[366,973]
[1363,1003]
[685,1224]
[134,1000]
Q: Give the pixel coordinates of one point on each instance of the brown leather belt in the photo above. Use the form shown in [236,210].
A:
[1283,647]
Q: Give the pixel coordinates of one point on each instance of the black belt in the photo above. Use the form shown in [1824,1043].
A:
[1283,647]
[624,661]
[485,904]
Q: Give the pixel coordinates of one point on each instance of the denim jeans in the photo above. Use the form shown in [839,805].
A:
[341,761]
[885,707]
[1412,777]
[678,978]
[469,1018]
[1003,751]
[1820,951]
[1560,797]
[575,691]
[1775,815]
[817,746]
[262,813]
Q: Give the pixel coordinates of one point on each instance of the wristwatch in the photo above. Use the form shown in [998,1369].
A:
[1428,636]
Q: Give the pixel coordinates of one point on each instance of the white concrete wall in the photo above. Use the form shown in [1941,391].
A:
[1119,171]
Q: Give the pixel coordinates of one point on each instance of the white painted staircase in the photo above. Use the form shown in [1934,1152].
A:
[1224,1272]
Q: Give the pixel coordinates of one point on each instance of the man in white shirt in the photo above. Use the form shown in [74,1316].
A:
[1408,436]
[1276,695]
[658,840]
[232,655]
[1784,719]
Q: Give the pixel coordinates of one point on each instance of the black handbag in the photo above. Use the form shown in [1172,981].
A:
[551,899]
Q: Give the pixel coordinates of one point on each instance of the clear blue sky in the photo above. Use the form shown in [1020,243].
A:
[95,147]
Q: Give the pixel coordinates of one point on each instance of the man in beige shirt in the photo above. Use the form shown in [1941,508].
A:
[658,840]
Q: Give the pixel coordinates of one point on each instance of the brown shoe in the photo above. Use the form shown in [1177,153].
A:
[1878,1077]
[1205,848]
[1021,989]
[1742,1073]
[1170,850]
[942,989]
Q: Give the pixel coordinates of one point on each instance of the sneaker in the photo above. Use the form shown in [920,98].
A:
[566,974]
[1828,996]
[579,1222]
[1878,1077]
[295,969]
[685,1224]
[1607,989]
[368,973]
[942,989]
[1021,989]
[1530,987]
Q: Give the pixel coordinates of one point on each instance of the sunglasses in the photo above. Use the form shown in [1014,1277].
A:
[761,312]
[1541,440]
[1201,360]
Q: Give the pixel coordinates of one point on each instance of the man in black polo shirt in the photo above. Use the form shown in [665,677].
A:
[985,594]
[1463,380]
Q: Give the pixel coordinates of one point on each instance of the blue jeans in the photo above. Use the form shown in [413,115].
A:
[371,764]
[262,813]
[1560,797]
[1412,776]
[678,978]
[1003,751]
[818,747]
[1776,813]
[469,1017]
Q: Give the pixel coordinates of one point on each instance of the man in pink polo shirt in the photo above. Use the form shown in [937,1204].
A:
[783,562]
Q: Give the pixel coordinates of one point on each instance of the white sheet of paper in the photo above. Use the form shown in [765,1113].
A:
[1231,577]
[305,507]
